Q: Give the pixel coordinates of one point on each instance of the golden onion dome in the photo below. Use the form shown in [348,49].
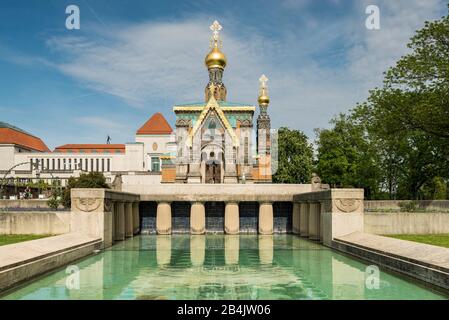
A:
[215,59]
[263,99]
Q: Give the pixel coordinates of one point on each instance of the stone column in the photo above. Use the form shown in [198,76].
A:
[342,213]
[322,210]
[129,219]
[136,218]
[266,218]
[163,218]
[197,218]
[114,209]
[232,222]
[304,219]
[295,217]
[314,221]
[120,221]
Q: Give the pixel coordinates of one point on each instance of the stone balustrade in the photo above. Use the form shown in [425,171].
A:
[325,215]
[110,215]
[320,215]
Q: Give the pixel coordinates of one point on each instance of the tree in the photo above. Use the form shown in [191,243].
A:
[421,78]
[409,115]
[345,157]
[436,189]
[90,180]
[295,156]
[397,142]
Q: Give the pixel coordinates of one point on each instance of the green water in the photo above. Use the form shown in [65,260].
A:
[220,267]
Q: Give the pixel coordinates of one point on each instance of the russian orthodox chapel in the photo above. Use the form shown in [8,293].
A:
[214,138]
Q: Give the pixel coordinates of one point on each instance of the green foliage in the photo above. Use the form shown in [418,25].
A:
[435,189]
[90,180]
[441,240]
[397,142]
[15,238]
[295,156]
[346,157]
[55,199]
[409,206]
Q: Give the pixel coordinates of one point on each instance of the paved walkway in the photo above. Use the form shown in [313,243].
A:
[422,261]
[432,256]
[22,261]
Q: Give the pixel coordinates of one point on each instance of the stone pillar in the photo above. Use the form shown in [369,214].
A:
[114,209]
[342,213]
[232,218]
[314,221]
[266,218]
[197,218]
[163,218]
[120,221]
[304,219]
[295,217]
[322,204]
[136,218]
[129,219]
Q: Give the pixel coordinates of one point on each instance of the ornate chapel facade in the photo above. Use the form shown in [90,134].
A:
[214,138]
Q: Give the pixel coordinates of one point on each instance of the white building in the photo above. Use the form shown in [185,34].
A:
[25,156]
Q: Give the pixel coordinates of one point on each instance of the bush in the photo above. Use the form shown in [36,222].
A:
[53,203]
[90,180]
[410,206]
[55,199]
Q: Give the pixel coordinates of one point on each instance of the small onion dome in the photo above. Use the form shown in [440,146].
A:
[215,59]
[263,100]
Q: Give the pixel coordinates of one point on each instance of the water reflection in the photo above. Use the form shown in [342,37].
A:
[266,249]
[232,249]
[220,267]
[197,249]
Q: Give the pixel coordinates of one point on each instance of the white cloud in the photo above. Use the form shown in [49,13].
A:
[99,122]
[148,63]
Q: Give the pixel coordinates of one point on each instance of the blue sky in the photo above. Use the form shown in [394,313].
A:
[133,58]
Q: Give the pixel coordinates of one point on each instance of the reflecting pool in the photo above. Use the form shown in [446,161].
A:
[220,267]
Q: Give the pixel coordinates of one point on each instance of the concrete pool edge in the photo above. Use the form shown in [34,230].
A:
[366,247]
[41,258]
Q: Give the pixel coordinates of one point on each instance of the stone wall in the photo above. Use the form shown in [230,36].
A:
[19,205]
[406,223]
[429,205]
[35,222]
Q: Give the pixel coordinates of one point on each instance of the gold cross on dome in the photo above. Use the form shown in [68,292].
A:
[263,81]
[216,28]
